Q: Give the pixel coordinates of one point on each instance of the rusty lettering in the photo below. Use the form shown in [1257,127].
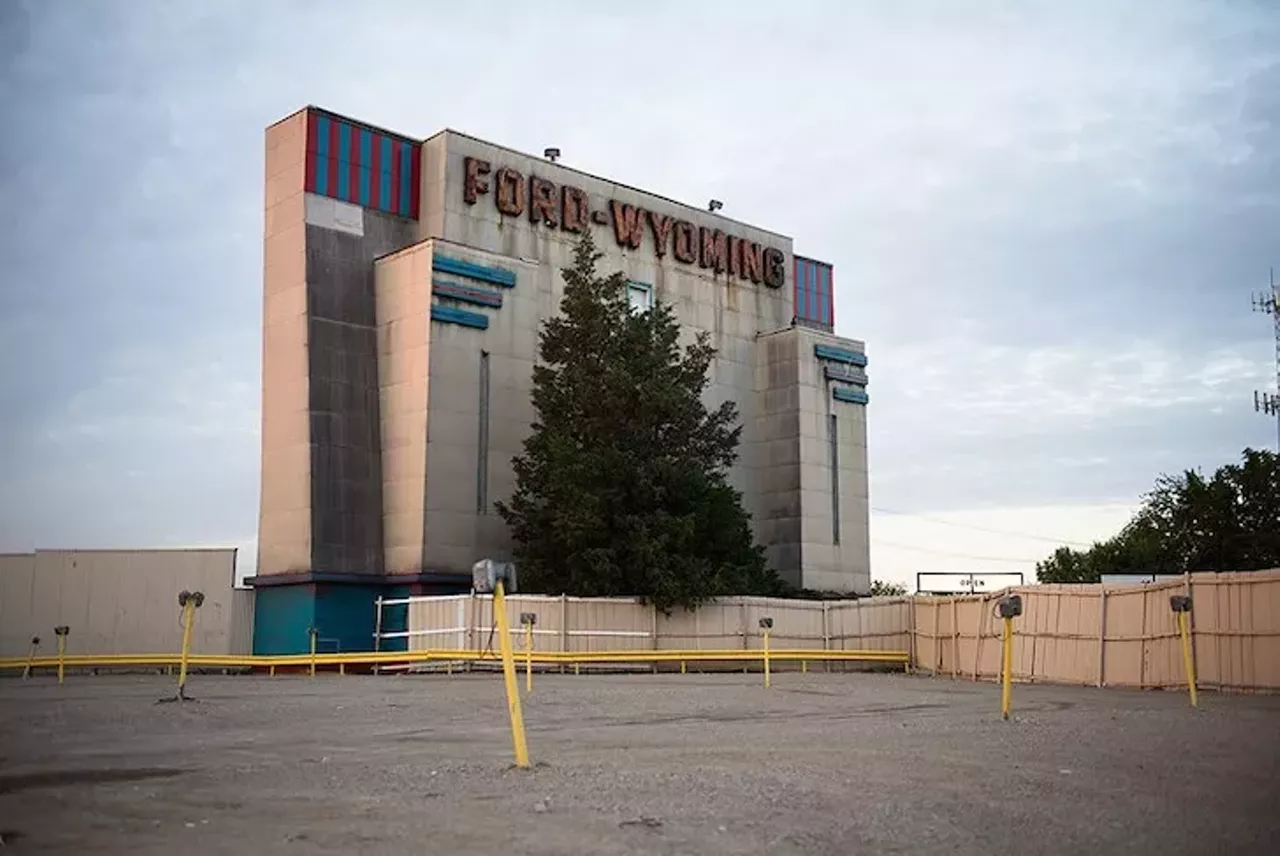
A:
[752,260]
[714,249]
[569,208]
[510,192]
[473,183]
[684,244]
[543,202]
[573,217]
[775,268]
[628,224]
[661,228]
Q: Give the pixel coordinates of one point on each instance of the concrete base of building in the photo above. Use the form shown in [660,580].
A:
[341,607]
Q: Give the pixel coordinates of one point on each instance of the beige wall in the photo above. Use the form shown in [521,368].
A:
[122,601]
[284,531]
[463,622]
[783,470]
[402,288]
[1123,636]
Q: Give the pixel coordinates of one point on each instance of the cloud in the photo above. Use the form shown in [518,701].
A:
[1045,221]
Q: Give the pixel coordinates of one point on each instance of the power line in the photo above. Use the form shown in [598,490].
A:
[954,555]
[940,521]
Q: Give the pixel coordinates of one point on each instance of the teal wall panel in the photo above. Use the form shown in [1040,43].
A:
[282,617]
[345,616]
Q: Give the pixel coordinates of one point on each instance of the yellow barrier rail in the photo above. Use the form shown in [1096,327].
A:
[383,658]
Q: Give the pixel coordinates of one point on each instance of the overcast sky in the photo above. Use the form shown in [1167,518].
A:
[1045,219]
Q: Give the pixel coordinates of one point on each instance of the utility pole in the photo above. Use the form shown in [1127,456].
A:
[1266,402]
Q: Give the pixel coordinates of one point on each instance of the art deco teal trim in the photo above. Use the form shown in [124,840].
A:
[466,294]
[839,355]
[450,315]
[849,395]
[845,373]
[471,270]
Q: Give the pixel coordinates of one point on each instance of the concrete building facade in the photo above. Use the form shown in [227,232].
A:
[405,282]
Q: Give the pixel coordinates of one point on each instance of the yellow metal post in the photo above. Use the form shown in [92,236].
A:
[35,643]
[1006,677]
[188,619]
[682,667]
[1187,660]
[342,668]
[528,657]
[62,651]
[271,670]
[509,677]
[766,658]
[314,634]
[804,667]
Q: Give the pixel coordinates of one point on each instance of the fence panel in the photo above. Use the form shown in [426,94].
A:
[1122,636]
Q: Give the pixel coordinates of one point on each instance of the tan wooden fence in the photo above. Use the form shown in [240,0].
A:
[1122,636]
[465,622]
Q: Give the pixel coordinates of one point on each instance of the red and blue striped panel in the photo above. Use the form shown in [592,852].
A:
[814,292]
[356,164]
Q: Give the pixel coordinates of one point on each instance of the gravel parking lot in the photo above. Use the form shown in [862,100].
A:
[698,764]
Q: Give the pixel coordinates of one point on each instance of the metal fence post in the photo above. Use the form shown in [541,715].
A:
[1102,636]
[826,633]
[377,632]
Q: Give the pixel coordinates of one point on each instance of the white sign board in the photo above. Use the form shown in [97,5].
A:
[977,582]
[1139,579]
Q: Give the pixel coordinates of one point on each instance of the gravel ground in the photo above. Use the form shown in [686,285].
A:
[697,764]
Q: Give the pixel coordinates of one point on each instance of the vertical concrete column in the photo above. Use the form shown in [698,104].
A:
[284,525]
[402,289]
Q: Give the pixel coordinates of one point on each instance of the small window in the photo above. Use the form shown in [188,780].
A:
[639,296]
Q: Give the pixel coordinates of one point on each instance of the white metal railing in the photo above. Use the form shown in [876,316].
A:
[465,622]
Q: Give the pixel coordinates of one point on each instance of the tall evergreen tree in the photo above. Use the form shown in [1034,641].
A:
[621,488]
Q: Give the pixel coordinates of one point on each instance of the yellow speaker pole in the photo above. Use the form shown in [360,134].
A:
[188,619]
[509,677]
[1009,607]
[528,657]
[766,624]
[61,632]
[1006,671]
[31,656]
[1181,604]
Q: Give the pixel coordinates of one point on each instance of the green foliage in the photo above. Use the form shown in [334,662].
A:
[621,487]
[880,588]
[1230,522]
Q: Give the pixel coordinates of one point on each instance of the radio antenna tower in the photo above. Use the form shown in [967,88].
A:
[1266,402]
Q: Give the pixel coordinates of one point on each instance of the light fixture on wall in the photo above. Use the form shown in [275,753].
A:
[552,154]
[715,205]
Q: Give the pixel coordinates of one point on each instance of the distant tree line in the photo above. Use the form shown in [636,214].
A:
[1229,522]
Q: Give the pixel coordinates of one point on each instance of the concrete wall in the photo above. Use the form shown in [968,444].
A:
[399,348]
[402,283]
[122,601]
[738,315]
[321,464]
[284,523]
